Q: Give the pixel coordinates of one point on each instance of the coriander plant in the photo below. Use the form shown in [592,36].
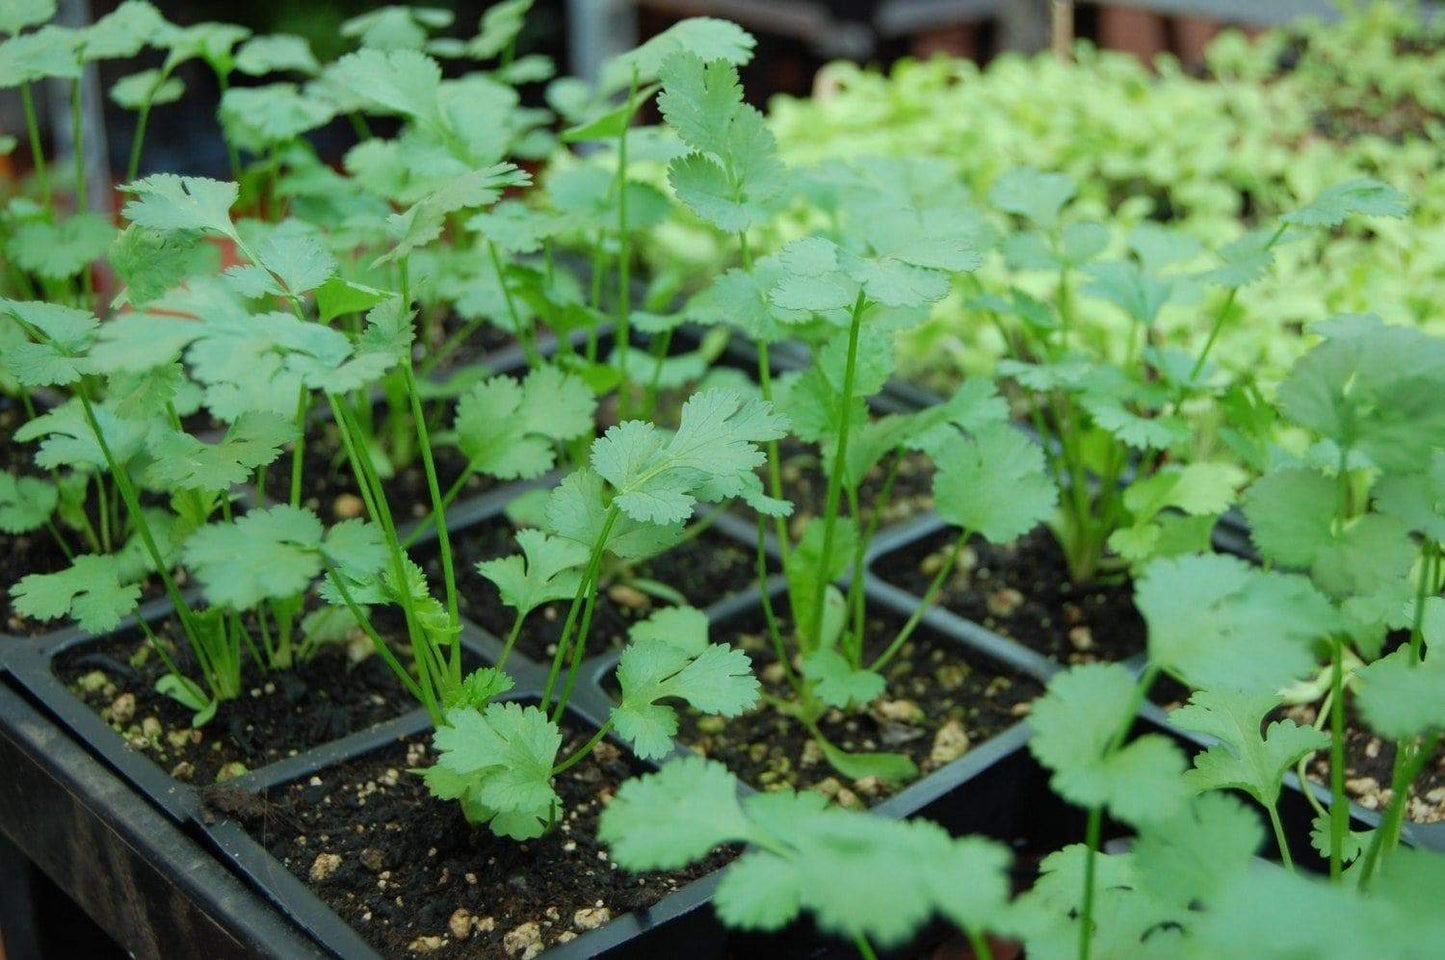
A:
[1135,481]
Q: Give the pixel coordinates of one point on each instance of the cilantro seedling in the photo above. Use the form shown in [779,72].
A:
[846,293]
[1105,415]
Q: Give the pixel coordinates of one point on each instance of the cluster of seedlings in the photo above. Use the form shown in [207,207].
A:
[265,406]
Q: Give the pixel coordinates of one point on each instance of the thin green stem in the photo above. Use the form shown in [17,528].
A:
[77,144]
[1280,840]
[1384,838]
[452,493]
[1423,588]
[382,647]
[526,335]
[660,345]
[1222,314]
[979,943]
[59,539]
[1339,808]
[865,949]
[137,516]
[438,509]
[835,477]
[579,650]
[700,526]
[82,202]
[855,604]
[586,587]
[624,265]
[929,596]
[223,80]
[37,154]
[1086,908]
[353,442]
[512,636]
[581,752]
[138,138]
[780,648]
[1301,769]
[775,469]
[298,451]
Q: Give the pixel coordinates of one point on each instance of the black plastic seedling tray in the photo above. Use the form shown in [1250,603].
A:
[1431,836]
[995,789]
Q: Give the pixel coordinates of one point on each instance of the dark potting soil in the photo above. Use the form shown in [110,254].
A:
[414,878]
[1369,767]
[806,485]
[485,341]
[329,486]
[277,714]
[940,701]
[704,570]
[1022,591]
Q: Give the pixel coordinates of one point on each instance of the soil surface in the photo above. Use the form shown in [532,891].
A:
[486,340]
[1369,766]
[329,486]
[703,570]
[415,879]
[277,714]
[1022,591]
[806,485]
[940,701]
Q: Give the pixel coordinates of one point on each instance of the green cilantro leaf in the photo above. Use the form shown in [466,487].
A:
[1037,197]
[666,820]
[509,429]
[51,51]
[58,356]
[25,502]
[1372,389]
[1187,859]
[1400,698]
[1363,196]
[704,37]
[68,440]
[60,251]
[719,680]
[134,90]
[658,479]
[153,262]
[90,591]
[478,688]
[1417,499]
[395,27]
[499,27]
[577,510]
[168,202]
[276,53]
[19,14]
[182,461]
[422,222]
[257,118]
[398,82]
[683,628]
[1075,725]
[1140,295]
[992,483]
[548,569]
[498,763]
[1221,624]
[837,683]
[266,554]
[1244,760]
